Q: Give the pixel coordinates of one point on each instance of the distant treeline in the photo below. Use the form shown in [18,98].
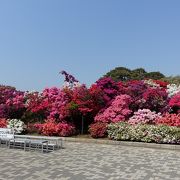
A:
[125,74]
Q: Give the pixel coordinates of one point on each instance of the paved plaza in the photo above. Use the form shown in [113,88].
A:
[81,161]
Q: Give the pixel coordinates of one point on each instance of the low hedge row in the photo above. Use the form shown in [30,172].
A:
[144,133]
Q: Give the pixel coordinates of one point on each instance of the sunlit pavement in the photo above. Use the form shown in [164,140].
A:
[80,161]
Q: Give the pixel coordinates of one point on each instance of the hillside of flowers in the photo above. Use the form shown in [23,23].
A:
[140,110]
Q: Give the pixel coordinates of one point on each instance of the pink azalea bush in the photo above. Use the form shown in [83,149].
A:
[118,111]
[11,102]
[144,116]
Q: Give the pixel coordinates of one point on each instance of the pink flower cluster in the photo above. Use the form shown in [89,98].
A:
[118,111]
[57,100]
[144,116]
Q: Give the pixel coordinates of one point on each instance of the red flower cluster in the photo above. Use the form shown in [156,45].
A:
[170,120]
[98,130]
[51,128]
[3,123]
[174,103]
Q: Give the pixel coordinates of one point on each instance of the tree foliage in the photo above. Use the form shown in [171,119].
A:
[125,74]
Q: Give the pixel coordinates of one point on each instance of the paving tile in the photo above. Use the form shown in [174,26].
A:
[90,161]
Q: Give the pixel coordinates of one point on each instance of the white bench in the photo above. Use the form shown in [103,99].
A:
[46,144]
[6,134]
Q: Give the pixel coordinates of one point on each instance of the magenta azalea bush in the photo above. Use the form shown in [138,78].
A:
[144,116]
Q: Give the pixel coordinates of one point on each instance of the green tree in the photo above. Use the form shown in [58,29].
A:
[120,74]
[172,79]
[138,74]
[154,75]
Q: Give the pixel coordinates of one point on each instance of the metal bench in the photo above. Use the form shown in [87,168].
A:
[6,134]
[40,143]
[54,143]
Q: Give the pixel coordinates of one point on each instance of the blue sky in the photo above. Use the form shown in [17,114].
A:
[38,38]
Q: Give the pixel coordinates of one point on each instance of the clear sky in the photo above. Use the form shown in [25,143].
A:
[39,38]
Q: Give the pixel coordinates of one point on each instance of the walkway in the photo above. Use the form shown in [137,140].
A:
[81,161]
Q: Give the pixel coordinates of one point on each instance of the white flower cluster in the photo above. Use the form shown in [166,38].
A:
[151,83]
[71,85]
[172,89]
[16,124]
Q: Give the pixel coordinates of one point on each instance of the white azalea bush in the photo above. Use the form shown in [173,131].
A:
[17,125]
[144,133]
[151,83]
[172,89]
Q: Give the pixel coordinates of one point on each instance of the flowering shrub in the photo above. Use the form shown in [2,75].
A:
[65,129]
[144,116]
[16,124]
[118,111]
[136,89]
[110,89]
[144,133]
[162,84]
[170,120]
[151,83]
[174,103]
[57,101]
[173,89]
[51,128]
[32,129]
[3,123]
[11,102]
[98,130]
[155,100]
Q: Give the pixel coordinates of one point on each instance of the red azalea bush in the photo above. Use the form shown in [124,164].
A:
[155,99]
[3,123]
[174,103]
[51,128]
[118,111]
[162,84]
[98,130]
[65,129]
[170,120]
[32,128]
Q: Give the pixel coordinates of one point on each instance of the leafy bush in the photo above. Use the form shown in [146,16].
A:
[98,130]
[144,133]
[144,116]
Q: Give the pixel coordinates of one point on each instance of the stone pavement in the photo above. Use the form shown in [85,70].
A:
[81,161]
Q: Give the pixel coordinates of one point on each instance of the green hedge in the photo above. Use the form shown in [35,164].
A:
[144,133]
